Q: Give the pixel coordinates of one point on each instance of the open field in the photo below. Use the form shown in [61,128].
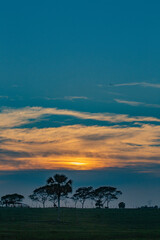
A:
[79,224]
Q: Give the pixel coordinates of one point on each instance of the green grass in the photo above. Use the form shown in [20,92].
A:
[79,224]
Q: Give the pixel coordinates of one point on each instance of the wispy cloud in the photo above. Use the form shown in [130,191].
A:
[134,103]
[131,103]
[75,97]
[142,84]
[18,117]
[79,147]
[5,97]
[69,98]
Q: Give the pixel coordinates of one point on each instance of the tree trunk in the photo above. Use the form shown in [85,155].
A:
[58,208]
[58,202]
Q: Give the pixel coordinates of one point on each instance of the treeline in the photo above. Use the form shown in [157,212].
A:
[59,187]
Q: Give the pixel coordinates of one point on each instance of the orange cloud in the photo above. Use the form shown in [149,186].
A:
[17,117]
[79,147]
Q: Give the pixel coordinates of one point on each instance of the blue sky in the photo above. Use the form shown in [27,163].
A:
[63,48]
[80,86]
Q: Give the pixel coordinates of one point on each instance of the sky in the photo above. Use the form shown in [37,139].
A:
[80,95]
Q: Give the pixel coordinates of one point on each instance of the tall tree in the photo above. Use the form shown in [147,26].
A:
[40,195]
[11,199]
[61,186]
[106,194]
[83,193]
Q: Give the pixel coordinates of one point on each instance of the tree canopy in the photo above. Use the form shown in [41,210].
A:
[82,194]
[59,186]
[40,195]
[11,199]
[105,194]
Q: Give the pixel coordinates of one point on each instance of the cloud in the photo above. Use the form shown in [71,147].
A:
[134,103]
[18,117]
[5,97]
[79,147]
[142,84]
[76,146]
[69,98]
[131,103]
[115,93]
[75,98]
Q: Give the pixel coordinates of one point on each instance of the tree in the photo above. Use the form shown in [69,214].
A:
[40,195]
[75,198]
[106,194]
[60,186]
[83,193]
[98,203]
[11,199]
[52,197]
[121,205]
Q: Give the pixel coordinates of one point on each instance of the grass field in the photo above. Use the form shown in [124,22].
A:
[79,224]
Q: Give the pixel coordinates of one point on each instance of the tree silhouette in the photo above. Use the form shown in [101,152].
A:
[11,199]
[52,197]
[98,203]
[40,195]
[60,186]
[83,193]
[106,194]
[75,198]
[121,205]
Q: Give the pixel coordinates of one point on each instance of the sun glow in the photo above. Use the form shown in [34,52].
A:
[77,163]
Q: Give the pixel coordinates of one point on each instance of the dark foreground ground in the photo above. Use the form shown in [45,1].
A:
[79,224]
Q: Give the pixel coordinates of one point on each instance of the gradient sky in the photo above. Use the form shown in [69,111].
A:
[80,94]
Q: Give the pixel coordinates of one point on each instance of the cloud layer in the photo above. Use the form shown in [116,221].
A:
[18,117]
[134,103]
[142,84]
[76,146]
